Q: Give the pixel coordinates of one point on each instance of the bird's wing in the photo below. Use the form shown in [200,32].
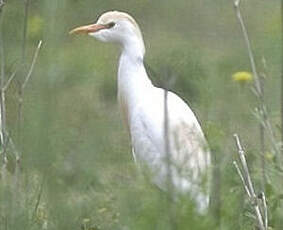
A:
[189,149]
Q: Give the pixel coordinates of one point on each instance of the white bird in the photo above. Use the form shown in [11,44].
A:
[143,108]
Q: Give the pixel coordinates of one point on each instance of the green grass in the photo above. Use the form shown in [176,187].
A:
[77,171]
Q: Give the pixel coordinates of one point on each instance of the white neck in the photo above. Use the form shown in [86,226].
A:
[133,81]
[133,47]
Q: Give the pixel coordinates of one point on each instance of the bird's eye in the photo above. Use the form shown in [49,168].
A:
[110,25]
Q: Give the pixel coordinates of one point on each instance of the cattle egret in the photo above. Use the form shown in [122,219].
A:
[143,108]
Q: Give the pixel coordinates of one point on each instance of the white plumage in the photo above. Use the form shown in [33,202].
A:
[142,106]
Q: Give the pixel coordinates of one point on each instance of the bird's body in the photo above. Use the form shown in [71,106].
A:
[143,108]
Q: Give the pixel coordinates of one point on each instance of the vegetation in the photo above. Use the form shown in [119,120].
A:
[65,156]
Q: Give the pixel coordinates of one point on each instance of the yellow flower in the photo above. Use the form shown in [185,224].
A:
[242,77]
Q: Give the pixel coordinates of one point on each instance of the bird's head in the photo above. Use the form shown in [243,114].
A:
[114,26]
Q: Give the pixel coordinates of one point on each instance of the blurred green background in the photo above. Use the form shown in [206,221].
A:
[76,170]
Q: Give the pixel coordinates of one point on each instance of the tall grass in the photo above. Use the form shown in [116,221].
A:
[76,170]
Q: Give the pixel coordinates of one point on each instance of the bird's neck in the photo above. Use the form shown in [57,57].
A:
[133,82]
[133,47]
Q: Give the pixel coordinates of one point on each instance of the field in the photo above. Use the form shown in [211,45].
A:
[69,162]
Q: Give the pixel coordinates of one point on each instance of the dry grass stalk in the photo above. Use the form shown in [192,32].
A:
[170,187]
[258,90]
[2,100]
[243,171]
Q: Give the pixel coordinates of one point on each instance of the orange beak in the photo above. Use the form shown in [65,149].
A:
[87,29]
